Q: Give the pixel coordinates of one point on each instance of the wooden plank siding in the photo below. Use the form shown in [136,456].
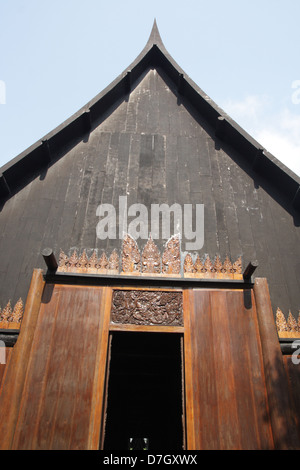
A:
[227,404]
[61,402]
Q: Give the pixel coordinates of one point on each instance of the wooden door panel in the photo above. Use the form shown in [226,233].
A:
[58,398]
[225,385]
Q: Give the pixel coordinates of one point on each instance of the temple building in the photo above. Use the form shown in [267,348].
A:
[150,277]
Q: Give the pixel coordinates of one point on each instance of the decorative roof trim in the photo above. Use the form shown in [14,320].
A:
[287,328]
[150,262]
[26,166]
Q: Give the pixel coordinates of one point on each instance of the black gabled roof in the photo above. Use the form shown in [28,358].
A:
[26,166]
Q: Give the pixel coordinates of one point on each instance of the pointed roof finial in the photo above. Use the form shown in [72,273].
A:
[155,37]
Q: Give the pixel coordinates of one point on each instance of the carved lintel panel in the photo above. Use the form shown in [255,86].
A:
[289,328]
[147,307]
[151,260]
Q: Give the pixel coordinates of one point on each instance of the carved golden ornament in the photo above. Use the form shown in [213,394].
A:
[138,307]
[171,259]
[199,268]
[103,262]
[208,266]
[18,311]
[237,267]
[281,321]
[12,317]
[151,260]
[287,328]
[6,313]
[218,265]
[63,261]
[188,266]
[83,261]
[227,266]
[113,263]
[291,322]
[131,258]
[73,260]
[93,261]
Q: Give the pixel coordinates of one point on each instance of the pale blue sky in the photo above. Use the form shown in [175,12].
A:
[56,56]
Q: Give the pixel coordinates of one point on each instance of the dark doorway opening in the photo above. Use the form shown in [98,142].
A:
[145,397]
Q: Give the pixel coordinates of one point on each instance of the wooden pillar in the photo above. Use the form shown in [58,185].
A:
[15,372]
[284,428]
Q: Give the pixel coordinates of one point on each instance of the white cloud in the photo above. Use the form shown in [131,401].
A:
[278,132]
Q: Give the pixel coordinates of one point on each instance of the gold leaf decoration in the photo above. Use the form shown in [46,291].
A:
[291,323]
[281,321]
[199,268]
[171,259]
[73,260]
[18,311]
[227,266]
[188,266]
[237,267]
[83,261]
[287,328]
[151,260]
[6,314]
[93,261]
[103,262]
[113,263]
[131,258]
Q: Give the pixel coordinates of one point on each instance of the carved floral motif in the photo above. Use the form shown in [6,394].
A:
[12,315]
[151,261]
[171,259]
[289,328]
[131,258]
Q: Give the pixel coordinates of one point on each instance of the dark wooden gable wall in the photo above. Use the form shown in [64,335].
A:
[154,148]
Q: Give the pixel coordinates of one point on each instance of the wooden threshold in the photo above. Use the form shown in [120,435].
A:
[146,328]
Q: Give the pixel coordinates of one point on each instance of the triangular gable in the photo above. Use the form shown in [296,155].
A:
[269,171]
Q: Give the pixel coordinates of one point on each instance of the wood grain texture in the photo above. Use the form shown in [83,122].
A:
[227,406]
[5,354]
[15,372]
[58,404]
[281,413]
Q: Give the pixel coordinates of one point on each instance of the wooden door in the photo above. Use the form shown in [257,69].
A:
[61,399]
[226,397]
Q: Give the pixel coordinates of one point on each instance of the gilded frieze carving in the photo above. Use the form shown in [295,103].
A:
[188,265]
[138,307]
[287,328]
[131,258]
[11,317]
[207,268]
[150,262]
[171,258]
